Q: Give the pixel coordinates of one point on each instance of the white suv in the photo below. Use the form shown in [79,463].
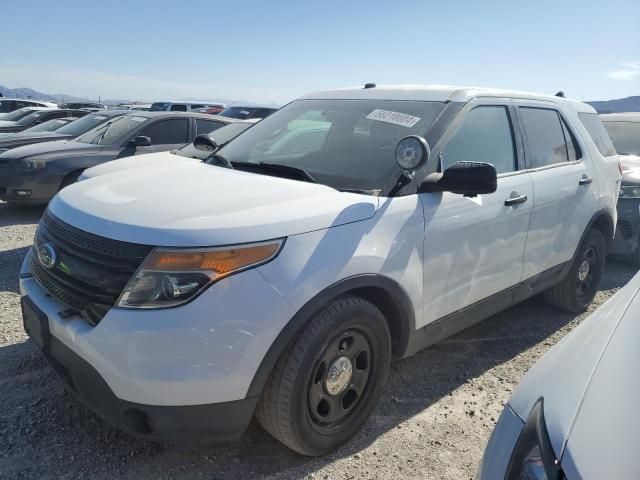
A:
[281,278]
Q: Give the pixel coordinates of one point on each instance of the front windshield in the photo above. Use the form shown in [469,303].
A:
[29,119]
[236,112]
[625,136]
[112,132]
[83,125]
[49,126]
[220,136]
[17,114]
[346,144]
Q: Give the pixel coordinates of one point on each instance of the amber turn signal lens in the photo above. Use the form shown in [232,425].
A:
[221,262]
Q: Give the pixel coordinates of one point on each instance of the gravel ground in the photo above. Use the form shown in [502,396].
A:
[433,421]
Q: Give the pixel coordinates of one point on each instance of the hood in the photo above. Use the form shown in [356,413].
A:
[603,442]
[8,123]
[195,204]
[52,150]
[630,169]
[570,376]
[138,161]
[22,138]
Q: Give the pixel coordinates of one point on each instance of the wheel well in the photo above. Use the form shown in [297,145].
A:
[76,173]
[386,294]
[604,224]
[385,303]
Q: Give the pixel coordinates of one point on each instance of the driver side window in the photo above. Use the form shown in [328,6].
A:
[485,135]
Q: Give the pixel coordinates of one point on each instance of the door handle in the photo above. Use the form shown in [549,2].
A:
[515,199]
[585,180]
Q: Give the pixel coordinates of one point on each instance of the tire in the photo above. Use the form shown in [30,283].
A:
[576,291]
[296,406]
[70,179]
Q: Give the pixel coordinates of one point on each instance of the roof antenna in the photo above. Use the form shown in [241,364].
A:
[369,85]
[560,94]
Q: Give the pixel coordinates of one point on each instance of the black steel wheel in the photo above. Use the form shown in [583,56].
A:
[576,291]
[328,380]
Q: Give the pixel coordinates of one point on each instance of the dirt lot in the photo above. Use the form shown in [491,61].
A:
[432,423]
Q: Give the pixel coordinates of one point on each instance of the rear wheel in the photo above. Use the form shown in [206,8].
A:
[576,291]
[328,380]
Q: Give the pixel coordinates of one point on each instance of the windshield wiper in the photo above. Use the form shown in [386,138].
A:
[300,173]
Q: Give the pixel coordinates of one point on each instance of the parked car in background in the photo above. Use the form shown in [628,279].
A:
[245,112]
[83,105]
[180,106]
[212,109]
[37,116]
[179,300]
[35,173]
[574,415]
[143,107]
[10,104]
[66,132]
[624,130]
[201,149]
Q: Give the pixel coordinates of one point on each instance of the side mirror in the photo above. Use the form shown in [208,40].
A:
[206,143]
[140,141]
[412,152]
[465,178]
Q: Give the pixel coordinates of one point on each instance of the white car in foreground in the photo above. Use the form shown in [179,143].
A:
[574,415]
[282,277]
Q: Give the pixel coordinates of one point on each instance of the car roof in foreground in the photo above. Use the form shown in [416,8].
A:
[621,117]
[438,93]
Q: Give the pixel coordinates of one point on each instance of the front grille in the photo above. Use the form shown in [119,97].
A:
[625,229]
[90,272]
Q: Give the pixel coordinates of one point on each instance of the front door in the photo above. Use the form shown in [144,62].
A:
[473,247]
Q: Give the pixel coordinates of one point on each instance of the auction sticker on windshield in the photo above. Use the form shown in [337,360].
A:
[396,118]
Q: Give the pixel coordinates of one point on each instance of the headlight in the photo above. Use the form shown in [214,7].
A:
[629,191]
[33,164]
[533,457]
[170,277]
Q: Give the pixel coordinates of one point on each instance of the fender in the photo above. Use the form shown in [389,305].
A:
[602,220]
[397,308]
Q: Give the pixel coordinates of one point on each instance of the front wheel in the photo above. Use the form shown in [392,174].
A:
[328,380]
[576,291]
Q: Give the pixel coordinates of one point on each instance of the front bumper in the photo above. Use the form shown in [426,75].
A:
[173,374]
[41,186]
[626,238]
[183,424]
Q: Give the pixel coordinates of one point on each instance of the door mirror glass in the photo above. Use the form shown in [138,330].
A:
[465,178]
[412,152]
[140,141]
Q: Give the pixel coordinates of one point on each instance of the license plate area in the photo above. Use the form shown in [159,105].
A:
[36,323]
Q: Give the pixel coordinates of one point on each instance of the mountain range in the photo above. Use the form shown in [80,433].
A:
[628,104]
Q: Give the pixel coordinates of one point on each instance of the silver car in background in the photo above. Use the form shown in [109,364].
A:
[575,413]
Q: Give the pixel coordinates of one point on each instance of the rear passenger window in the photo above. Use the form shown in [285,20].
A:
[178,108]
[545,137]
[597,132]
[573,149]
[484,136]
[165,132]
[206,126]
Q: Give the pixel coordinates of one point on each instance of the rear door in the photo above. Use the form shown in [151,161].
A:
[566,195]
[474,247]
[165,135]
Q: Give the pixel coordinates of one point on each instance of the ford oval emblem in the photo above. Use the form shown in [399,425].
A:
[47,255]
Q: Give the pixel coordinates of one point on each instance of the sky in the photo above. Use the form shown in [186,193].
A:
[274,51]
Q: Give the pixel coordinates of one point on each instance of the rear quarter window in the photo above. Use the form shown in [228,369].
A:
[598,133]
